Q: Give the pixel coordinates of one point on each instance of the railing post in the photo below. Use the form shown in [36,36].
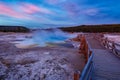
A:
[76,75]
[84,48]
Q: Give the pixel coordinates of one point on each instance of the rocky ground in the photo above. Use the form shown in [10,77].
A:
[37,63]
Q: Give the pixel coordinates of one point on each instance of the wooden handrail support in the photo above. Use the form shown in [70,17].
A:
[84,49]
[76,75]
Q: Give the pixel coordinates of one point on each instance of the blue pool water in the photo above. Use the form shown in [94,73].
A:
[45,37]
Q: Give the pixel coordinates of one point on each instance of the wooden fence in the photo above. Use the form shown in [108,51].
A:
[88,69]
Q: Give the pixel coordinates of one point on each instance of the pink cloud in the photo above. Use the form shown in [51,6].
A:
[24,11]
[31,9]
[8,11]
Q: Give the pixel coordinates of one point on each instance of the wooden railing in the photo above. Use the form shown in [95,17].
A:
[111,45]
[88,69]
[84,48]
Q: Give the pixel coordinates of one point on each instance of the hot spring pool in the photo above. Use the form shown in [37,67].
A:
[44,38]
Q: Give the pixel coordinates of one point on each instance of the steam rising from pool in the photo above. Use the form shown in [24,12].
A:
[51,36]
[45,37]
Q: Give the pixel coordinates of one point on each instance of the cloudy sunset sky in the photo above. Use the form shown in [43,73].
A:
[57,13]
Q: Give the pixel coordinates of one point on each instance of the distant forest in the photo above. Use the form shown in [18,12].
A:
[82,28]
[93,28]
[14,29]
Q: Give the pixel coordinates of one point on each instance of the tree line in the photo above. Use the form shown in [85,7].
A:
[14,29]
[93,28]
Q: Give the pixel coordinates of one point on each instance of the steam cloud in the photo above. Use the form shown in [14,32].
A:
[51,36]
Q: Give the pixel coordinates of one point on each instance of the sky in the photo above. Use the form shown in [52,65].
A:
[57,13]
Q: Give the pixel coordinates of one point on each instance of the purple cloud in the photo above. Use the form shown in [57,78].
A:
[91,11]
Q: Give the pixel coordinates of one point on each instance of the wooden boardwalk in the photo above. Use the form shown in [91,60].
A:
[106,64]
